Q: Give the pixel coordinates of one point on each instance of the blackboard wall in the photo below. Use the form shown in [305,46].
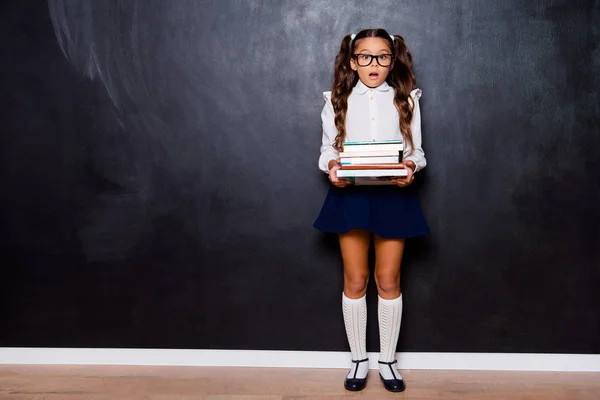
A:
[159,175]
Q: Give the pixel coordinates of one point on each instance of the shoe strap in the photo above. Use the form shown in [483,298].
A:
[389,364]
[358,362]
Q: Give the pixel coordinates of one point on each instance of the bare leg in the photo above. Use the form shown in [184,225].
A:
[355,254]
[388,254]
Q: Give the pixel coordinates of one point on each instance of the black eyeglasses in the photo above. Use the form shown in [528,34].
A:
[364,60]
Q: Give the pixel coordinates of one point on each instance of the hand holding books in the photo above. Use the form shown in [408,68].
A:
[334,166]
[406,180]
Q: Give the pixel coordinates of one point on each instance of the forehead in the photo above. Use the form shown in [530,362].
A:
[372,44]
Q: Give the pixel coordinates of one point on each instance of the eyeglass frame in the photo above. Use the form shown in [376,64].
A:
[355,56]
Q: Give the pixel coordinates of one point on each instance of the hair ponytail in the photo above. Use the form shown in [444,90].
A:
[343,82]
[402,79]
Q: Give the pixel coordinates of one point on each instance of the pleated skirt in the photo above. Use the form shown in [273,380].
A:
[387,211]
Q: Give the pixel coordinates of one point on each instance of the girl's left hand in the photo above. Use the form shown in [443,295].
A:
[406,180]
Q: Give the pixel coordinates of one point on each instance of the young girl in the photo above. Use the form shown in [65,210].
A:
[373,98]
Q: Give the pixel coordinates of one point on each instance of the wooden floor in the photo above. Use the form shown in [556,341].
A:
[183,383]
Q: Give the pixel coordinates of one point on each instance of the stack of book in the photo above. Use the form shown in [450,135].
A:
[372,163]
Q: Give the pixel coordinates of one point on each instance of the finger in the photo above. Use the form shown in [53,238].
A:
[404,182]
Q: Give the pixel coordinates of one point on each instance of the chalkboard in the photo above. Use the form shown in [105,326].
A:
[160,180]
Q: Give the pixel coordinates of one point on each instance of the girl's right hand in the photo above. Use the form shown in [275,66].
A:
[334,166]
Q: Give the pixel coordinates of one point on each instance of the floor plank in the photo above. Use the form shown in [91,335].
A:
[186,383]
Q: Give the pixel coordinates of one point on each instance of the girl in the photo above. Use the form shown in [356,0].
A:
[373,98]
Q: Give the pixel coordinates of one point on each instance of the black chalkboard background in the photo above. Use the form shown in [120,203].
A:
[159,174]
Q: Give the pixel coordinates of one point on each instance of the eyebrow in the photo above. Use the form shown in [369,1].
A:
[386,50]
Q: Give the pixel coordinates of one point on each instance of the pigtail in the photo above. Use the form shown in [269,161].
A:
[402,79]
[343,82]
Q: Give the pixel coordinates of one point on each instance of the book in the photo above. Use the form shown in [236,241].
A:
[393,165]
[374,173]
[353,147]
[374,142]
[371,180]
[369,160]
[371,153]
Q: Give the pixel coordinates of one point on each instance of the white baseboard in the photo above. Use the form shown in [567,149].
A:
[298,359]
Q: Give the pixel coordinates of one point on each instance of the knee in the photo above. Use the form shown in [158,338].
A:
[388,285]
[355,286]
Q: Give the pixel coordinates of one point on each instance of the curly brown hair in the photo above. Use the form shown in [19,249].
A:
[400,77]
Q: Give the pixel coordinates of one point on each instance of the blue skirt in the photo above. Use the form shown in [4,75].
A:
[387,211]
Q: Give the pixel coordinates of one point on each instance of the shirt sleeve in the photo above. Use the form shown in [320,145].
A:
[418,156]
[328,152]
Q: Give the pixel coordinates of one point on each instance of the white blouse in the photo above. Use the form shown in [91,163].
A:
[371,116]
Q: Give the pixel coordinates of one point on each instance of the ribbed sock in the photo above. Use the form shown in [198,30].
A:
[355,321]
[390,318]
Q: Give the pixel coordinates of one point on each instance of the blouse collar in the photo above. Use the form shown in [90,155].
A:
[361,88]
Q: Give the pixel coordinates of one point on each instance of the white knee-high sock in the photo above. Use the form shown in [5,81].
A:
[390,318]
[355,321]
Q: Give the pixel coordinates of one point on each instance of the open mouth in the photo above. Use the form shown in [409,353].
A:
[373,75]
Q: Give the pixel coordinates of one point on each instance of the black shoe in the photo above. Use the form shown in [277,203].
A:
[355,384]
[393,385]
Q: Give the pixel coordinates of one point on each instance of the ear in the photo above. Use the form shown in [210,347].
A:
[353,64]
